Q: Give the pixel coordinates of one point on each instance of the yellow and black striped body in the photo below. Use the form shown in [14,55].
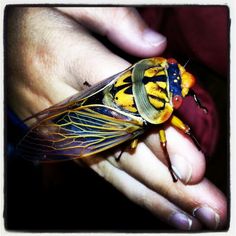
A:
[152,98]
[155,86]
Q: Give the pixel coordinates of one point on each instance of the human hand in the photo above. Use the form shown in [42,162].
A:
[50,56]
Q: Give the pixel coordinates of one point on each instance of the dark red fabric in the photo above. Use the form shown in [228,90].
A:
[204,126]
[199,31]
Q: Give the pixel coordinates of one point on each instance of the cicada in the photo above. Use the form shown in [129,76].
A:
[117,110]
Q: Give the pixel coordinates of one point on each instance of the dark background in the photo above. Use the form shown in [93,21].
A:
[66,197]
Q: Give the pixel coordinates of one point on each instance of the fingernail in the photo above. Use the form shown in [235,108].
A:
[208,216]
[180,221]
[181,168]
[153,38]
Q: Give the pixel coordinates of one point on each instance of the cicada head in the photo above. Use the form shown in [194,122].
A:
[180,81]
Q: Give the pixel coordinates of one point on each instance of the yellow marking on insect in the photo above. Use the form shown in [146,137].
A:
[154,90]
[154,71]
[162,85]
[156,103]
[125,100]
[151,72]
[164,114]
[120,81]
[184,91]
[161,72]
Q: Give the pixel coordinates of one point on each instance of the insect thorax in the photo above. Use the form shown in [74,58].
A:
[155,82]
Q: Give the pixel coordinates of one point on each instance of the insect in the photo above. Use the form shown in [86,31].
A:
[117,110]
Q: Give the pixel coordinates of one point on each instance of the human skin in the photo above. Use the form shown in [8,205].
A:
[51,53]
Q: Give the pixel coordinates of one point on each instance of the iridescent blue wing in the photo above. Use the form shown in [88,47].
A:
[80,132]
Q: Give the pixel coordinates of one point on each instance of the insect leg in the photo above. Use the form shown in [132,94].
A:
[121,152]
[166,154]
[198,102]
[176,122]
[133,146]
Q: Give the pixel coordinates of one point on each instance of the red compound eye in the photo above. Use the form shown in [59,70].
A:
[177,101]
[172,61]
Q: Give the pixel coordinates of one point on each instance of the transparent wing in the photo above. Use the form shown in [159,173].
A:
[77,133]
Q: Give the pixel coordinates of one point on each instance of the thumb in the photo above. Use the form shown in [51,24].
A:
[122,26]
